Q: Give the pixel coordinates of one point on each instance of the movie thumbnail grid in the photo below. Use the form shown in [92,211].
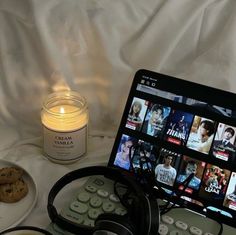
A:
[182,128]
[172,169]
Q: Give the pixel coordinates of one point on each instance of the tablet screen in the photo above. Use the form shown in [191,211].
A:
[184,129]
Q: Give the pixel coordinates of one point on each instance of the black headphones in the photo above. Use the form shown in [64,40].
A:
[142,217]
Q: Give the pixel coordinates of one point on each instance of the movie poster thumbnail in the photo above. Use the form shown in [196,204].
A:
[230,198]
[136,114]
[201,134]
[190,174]
[166,168]
[223,146]
[125,152]
[214,183]
[155,119]
[178,127]
[144,156]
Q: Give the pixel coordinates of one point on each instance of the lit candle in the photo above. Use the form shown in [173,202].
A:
[65,126]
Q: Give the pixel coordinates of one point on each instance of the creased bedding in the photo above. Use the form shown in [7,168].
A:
[95,47]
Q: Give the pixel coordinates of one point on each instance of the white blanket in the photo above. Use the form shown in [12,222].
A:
[95,47]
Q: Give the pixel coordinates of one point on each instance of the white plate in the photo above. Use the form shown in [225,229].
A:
[11,214]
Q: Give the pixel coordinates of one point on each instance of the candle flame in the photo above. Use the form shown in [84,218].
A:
[62,110]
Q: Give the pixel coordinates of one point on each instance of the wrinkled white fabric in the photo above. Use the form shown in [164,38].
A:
[95,48]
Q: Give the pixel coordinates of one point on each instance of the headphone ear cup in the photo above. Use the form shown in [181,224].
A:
[113,223]
[149,223]
[137,210]
[154,215]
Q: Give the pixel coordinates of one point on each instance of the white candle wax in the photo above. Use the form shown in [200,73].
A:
[65,118]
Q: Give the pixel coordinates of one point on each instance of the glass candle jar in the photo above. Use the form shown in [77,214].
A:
[65,117]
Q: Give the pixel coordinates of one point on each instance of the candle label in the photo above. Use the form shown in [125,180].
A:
[65,146]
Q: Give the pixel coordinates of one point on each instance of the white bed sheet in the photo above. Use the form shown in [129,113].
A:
[95,47]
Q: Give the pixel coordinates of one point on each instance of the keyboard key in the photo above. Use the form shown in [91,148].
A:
[167,219]
[175,232]
[72,216]
[195,231]
[91,189]
[120,211]
[108,207]
[93,213]
[163,229]
[114,198]
[83,197]
[89,222]
[181,225]
[96,202]
[102,193]
[79,207]
[98,182]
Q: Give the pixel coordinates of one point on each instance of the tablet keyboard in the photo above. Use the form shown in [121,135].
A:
[93,198]
[185,222]
[171,226]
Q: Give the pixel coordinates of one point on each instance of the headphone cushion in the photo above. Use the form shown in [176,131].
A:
[155,215]
[114,223]
[149,223]
[140,206]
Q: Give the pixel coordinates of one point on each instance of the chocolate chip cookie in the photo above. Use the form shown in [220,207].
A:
[10,175]
[13,192]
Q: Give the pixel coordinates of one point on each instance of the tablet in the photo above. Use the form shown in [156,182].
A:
[187,132]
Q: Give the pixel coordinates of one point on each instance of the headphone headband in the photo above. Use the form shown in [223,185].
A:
[109,172]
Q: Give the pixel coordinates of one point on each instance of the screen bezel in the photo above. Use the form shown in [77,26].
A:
[191,90]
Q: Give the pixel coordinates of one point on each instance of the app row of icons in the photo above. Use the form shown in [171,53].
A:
[148,83]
